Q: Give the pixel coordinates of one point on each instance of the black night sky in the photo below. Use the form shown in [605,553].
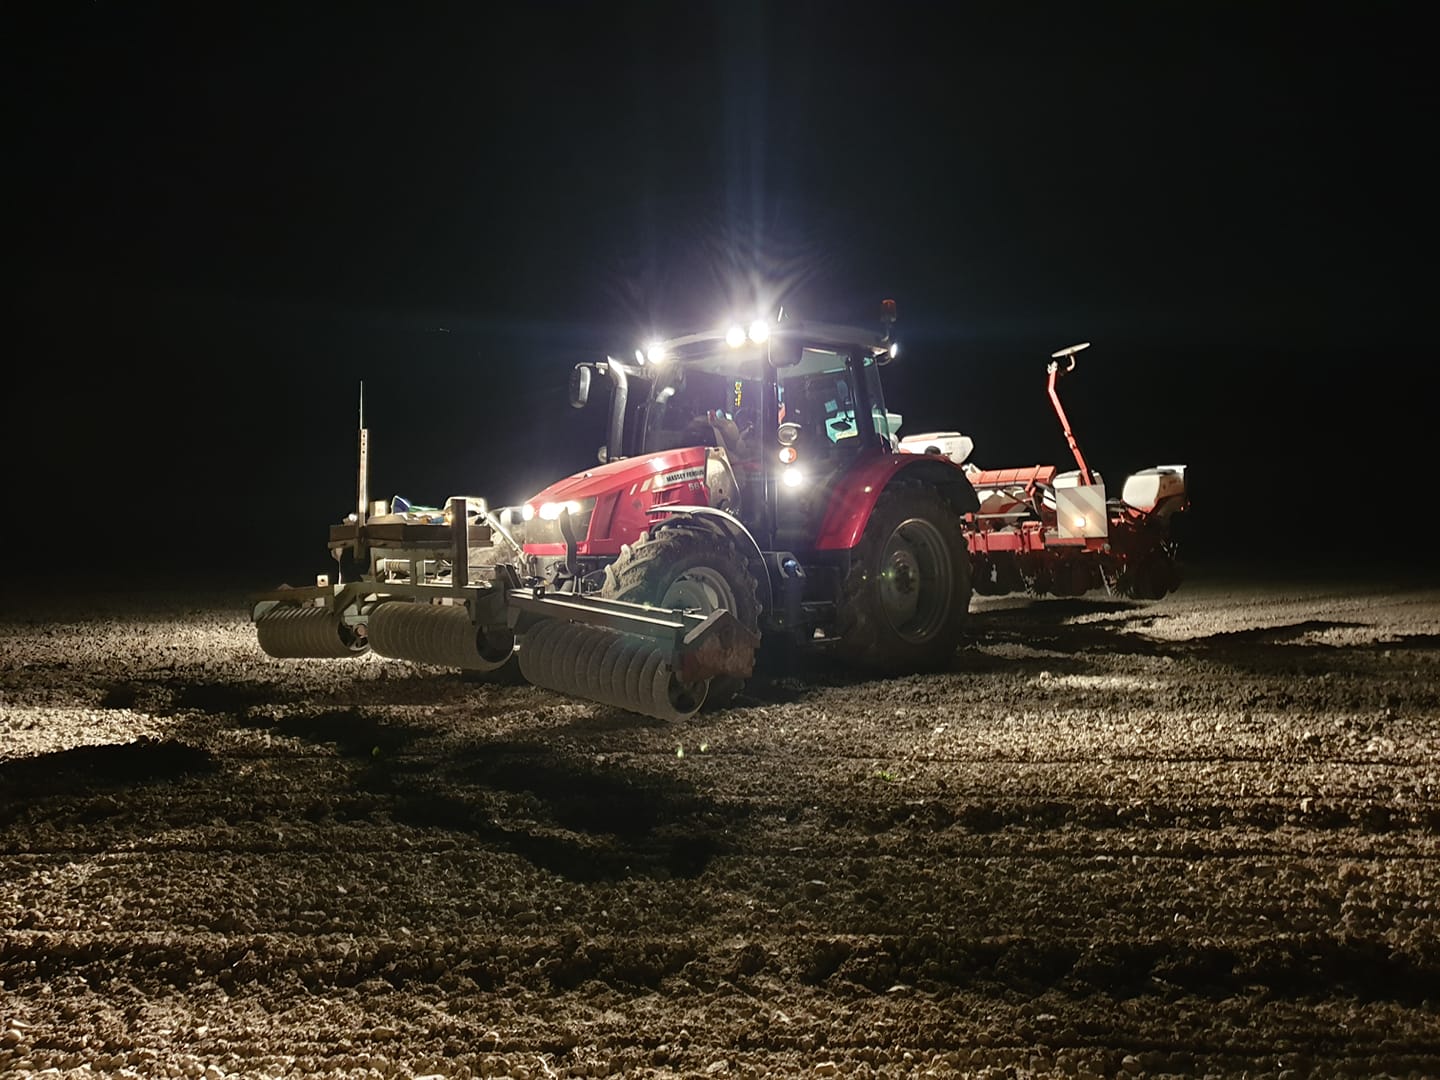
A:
[225,220]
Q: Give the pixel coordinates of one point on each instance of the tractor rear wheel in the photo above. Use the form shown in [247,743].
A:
[693,568]
[907,594]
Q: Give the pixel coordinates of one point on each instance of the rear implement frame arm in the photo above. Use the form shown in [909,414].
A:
[1054,370]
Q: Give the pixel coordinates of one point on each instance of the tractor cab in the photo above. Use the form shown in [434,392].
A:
[780,414]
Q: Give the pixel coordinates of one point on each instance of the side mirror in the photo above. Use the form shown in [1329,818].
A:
[580,386]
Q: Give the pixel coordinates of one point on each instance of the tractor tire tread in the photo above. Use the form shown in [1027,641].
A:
[645,569]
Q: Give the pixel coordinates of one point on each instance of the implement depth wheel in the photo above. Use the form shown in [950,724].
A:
[908,591]
[1151,577]
[692,568]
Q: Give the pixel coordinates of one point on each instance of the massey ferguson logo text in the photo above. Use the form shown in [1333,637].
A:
[679,476]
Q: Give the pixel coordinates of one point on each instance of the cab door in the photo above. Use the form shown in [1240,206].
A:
[826,425]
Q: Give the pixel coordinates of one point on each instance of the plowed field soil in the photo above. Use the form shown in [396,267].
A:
[1194,837]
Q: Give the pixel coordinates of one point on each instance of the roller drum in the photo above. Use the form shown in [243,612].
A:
[613,665]
[442,635]
[288,631]
[612,668]
[588,661]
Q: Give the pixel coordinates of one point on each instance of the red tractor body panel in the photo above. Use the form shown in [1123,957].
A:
[853,500]
[623,492]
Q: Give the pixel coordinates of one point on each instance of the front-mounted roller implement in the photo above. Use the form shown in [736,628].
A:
[419,604]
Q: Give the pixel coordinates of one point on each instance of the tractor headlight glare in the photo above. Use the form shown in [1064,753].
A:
[550,511]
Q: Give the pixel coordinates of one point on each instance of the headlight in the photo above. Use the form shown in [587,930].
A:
[551,511]
[735,336]
[759,331]
[542,524]
[792,477]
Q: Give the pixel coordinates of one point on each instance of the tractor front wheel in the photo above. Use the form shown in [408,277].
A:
[908,590]
[692,568]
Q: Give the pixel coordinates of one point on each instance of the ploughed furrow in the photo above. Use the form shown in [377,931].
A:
[1195,837]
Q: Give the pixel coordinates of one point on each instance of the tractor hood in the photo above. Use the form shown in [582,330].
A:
[663,469]
[608,505]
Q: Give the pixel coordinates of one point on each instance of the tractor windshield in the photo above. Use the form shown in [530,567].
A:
[695,406]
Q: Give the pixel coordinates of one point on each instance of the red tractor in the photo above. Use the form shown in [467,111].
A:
[758,473]
[753,485]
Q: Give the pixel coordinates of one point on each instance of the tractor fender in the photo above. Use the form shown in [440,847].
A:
[854,498]
[728,525]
